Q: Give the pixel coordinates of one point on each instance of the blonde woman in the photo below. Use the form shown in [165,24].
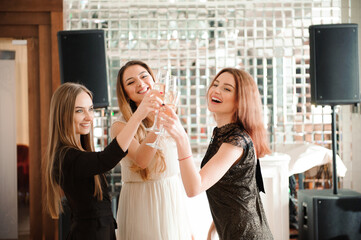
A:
[152,198]
[73,169]
[230,172]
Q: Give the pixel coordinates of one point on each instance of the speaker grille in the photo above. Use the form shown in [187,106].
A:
[324,216]
[82,57]
[334,64]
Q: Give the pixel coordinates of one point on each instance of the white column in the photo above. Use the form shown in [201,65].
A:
[351,122]
[276,200]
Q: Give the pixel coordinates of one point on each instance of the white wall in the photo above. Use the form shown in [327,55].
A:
[356,152]
[8,162]
[356,117]
[21,79]
[351,122]
[14,129]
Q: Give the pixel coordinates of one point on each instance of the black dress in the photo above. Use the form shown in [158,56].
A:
[234,200]
[91,219]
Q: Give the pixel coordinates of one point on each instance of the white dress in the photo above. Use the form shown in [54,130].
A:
[154,209]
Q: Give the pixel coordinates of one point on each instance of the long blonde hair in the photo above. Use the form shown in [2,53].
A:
[62,136]
[249,108]
[127,107]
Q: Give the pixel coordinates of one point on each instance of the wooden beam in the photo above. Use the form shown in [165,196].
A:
[35,21]
[45,90]
[31,5]
[24,18]
[35,192]
[56,26]
[18,31]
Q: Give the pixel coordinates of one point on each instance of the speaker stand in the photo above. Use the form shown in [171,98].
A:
[334,151]
[108,115]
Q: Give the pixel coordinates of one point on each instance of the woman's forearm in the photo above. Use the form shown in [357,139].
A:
[145,154]
[190,175]
[126,135]
[140,154]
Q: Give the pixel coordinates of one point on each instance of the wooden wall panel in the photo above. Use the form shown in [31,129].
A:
[37,21]
[18,31]
[31,5]
[34,140]
[24,18]
[56,26]
[45,90]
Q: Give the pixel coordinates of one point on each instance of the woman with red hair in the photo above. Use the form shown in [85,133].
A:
[230,172]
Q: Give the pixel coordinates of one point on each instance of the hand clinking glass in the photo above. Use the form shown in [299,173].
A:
[171,100]
[160,85]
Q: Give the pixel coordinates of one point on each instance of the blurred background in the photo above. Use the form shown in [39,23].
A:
[194,39]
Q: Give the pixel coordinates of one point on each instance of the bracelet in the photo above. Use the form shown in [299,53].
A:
[181,159]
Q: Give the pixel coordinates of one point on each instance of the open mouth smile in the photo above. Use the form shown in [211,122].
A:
[216,100]
[143,90]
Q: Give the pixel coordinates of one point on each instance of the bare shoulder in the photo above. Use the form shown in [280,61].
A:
[228,153]
[229,148]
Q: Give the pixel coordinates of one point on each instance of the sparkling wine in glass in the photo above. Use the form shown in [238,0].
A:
[160,85]
[171,97]
[172,93]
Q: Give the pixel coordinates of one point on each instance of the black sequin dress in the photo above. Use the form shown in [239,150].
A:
[234,200]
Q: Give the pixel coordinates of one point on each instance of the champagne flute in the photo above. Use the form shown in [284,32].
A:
[172,93]
[170,99]
[160,85]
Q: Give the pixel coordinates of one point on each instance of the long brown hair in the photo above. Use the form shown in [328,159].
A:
[62,136]
[127,107]
[249,108]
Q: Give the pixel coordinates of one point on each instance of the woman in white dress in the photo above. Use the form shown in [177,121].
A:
[152,199]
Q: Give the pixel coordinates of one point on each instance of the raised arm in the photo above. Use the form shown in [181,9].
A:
[140,153]
[87,164]
[195,181]
[125,135]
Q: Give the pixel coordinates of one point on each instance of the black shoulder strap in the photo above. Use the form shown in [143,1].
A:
[259,178]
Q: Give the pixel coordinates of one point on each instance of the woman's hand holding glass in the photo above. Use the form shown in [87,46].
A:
[159,85]
[171,123]
[150,103]
[171,100]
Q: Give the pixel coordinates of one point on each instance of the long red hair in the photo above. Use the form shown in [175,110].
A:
[249,109]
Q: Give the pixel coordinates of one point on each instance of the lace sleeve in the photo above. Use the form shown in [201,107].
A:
[237,138]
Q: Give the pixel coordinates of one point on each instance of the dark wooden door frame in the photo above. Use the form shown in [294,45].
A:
[37,21]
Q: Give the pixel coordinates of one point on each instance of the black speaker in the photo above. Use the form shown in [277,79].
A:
[334,64]
[82,58]
[323,215]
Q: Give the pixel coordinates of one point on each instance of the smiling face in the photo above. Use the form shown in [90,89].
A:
[83,114]
[222,97]
[137,81]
